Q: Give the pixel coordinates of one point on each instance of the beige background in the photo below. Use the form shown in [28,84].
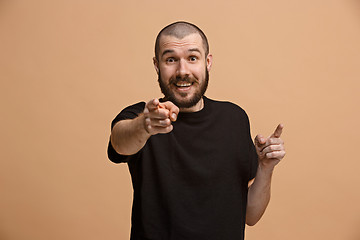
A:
[68,67]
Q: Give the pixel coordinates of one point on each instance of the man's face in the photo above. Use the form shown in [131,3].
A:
[183,69]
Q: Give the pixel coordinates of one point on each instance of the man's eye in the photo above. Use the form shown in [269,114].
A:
[193,59]
[170,60]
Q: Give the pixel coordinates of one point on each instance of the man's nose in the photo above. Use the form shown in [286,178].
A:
[183,68]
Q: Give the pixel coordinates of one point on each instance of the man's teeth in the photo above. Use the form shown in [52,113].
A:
[183,84]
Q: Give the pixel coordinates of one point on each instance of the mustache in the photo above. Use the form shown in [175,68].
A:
[182,79]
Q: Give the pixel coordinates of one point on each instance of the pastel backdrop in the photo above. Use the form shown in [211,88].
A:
[68,67]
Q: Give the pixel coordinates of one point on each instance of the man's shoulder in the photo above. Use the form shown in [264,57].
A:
[133,109]
[232,114]
[129,112]
[136,106]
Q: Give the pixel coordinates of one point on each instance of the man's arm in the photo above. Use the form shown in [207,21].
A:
[129,136]
[270,151]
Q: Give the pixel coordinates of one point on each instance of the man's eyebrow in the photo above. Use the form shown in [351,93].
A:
[194,50]
[167,51]
[171,51]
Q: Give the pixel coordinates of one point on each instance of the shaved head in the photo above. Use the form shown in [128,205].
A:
[180,30]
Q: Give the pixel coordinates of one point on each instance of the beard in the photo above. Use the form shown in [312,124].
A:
[182,102]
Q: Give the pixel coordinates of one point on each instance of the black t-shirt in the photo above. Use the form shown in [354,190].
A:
[192,183]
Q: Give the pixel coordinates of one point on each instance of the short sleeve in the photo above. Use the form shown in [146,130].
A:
[130,112]
[253,160]
[253,157]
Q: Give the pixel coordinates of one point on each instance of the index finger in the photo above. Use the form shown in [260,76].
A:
[153,104]
[278,131]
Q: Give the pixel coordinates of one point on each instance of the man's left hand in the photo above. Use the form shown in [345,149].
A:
[270,150]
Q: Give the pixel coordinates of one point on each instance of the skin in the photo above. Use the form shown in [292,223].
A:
[180,59]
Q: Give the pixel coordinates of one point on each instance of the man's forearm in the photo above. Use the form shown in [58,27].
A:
[129,136]
[258,195]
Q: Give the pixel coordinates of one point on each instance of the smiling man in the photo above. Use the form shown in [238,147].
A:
[196,173]
[183,64]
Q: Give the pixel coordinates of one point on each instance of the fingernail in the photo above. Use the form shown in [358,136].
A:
[174,116]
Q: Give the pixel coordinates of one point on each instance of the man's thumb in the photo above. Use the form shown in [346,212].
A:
[259,140]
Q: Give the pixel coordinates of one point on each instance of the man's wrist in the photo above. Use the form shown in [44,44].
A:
[143,127]
[266,168]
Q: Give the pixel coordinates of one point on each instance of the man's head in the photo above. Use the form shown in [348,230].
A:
[183,62]
[180,30]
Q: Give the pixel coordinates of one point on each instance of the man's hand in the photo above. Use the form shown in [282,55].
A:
[158,116]
[130,135]
[270,150]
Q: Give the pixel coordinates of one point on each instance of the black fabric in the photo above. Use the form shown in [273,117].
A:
[192,182]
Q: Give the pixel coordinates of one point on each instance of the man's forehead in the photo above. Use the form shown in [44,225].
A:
[190,41]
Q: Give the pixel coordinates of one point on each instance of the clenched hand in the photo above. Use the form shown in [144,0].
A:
[158,116]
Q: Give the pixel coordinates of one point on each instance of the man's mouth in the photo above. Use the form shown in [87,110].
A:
[183,84]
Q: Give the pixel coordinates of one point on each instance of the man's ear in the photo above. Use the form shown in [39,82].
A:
[156,64]
[209,60]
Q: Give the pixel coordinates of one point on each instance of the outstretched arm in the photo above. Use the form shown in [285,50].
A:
[129,136]
[270,151]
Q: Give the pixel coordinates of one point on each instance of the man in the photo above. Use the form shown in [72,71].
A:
[195,171]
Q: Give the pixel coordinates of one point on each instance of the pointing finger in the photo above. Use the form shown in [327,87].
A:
[278,131]
[153,104]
